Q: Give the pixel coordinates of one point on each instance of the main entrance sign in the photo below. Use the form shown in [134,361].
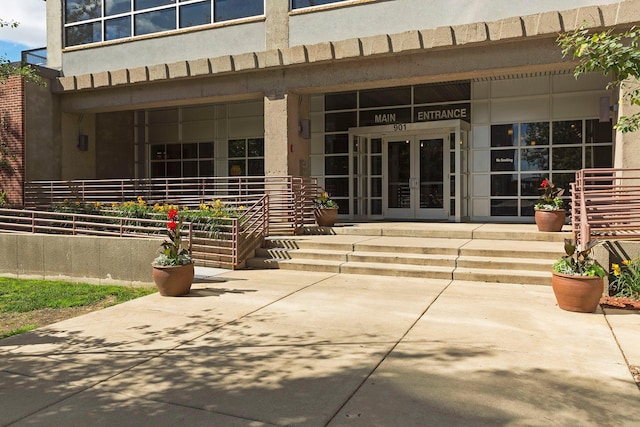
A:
[443,112]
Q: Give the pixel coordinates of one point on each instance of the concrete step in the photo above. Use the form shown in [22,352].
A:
[527,277]
[284,254]
[397,257]
[400,270]
[503,263]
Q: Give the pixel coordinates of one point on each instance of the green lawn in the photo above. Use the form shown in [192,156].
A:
[27,304]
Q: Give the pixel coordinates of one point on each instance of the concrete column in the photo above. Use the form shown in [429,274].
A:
[54,34]
[276,144]
[286,149]
[627,146]
[277,24]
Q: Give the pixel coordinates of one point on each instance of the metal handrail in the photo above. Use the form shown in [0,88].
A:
[605,205]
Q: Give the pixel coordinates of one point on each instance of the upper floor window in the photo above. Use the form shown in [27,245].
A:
[93,21]
[300,4]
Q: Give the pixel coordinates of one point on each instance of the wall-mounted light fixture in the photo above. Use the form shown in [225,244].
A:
[83,142]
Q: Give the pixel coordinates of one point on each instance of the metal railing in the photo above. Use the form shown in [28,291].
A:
[216,242]
[605,205]
[290,198]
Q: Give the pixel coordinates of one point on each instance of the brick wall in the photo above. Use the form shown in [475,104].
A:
[12,138]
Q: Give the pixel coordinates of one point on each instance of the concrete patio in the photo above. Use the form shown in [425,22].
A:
[278,347]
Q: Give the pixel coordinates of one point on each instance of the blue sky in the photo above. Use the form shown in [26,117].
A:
[31,33]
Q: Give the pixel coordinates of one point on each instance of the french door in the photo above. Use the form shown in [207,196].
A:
[416,176]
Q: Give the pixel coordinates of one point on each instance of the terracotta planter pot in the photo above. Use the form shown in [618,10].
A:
[550,220]
[577,293]
[326,217]
[173,280]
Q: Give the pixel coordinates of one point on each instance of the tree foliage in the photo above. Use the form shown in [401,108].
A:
[8,69]
[614,54]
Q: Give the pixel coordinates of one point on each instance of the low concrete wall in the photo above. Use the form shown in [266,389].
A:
[98,260]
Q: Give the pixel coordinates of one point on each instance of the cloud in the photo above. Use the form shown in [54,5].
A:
[31,14]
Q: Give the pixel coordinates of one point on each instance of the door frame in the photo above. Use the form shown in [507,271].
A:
[459,128]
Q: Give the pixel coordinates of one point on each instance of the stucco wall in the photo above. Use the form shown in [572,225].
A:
[115,145]
[99,260]
[386,17]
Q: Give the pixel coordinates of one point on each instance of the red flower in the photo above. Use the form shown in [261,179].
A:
[544,183]
[172,225]
[173,213]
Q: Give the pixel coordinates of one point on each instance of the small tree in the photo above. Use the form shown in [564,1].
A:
[615,54]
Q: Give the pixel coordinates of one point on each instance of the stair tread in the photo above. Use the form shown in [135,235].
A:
[503,272]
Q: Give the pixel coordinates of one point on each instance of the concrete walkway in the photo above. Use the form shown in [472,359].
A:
[264,348]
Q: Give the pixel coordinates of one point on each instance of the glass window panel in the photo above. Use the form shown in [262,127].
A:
[534,134]
[385,97]
[158,152]
[190,169]
[599,131]
[147,4]
[117,28]
[568,132]
[340,101]
[195,14]
[534,159]
[376,165]
[206,149]
[337,165]
[562,180]
[530,184]
[376,187]
[376,145]
[173,151]
[206,167]
[337,122]
[190,151]
[83,34]
[336,144]
[298,4]
[599,157]
[174,169]
[114,7]
[158,170]
[504,185]
[82,10]
[527,207]
[504,207]
[504,160]
[376,207]
[156,21]
[337,187]
[237,148]
[386,116]
[237,167]
[425,94]
[566,158]
[503,135]
[225,10]
[255,147]
[255,167]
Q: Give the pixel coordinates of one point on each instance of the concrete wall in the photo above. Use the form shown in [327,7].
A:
[363,19]
[224,39]
[42,132]
[99,260]
[115,145]
[78,164]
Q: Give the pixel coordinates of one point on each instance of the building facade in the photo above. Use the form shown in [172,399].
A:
[403,109]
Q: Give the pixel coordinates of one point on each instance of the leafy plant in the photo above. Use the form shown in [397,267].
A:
[615,54]
[578,263]
[173,253]
[3,198]
[550,198]
[324,202]
[626,279]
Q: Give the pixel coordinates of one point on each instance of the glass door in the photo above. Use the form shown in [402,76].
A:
[416,177]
